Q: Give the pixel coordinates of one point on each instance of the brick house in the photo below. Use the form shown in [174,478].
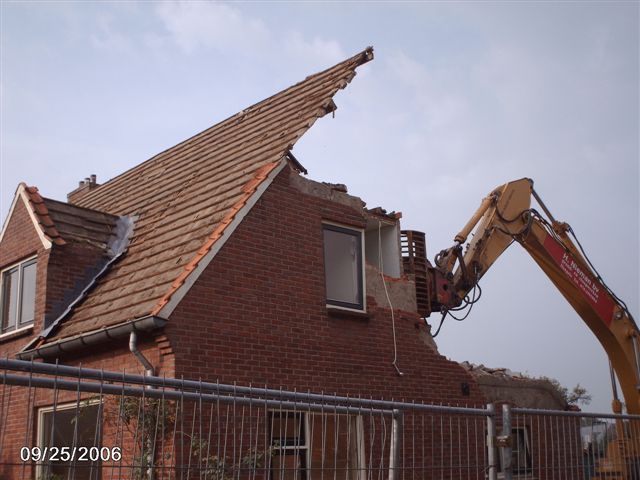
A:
[225,263]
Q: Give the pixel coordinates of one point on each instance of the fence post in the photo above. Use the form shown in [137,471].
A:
[491,442]
[396,445]
[505,441]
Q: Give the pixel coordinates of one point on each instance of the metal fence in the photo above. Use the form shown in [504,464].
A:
[60,422]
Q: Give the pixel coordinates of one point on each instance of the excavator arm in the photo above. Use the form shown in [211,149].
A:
[505,216]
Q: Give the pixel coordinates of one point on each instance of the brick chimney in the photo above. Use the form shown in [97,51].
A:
[84,187]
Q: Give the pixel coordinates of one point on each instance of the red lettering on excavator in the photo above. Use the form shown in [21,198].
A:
[592,290]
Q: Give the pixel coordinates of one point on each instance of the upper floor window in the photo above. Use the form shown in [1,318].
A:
[18,295]
[343,267]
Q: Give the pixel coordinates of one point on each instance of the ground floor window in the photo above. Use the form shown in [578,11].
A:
[309,446]
[289,445]
[520,454]
[69,425]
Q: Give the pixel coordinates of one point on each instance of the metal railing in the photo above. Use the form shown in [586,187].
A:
[549,444]
[60,422]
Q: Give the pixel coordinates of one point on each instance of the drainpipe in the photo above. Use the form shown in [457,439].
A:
[149,371]
[133,347]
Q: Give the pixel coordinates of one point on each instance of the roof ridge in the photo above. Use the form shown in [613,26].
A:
[80,207]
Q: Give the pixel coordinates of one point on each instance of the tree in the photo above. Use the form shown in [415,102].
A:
[577,395]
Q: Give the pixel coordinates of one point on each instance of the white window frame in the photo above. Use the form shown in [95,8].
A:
[527,468]
[17,326]
[347,229]
[40,427]
[306,449]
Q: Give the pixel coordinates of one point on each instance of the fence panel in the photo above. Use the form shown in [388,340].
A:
[59,422]
[549,444]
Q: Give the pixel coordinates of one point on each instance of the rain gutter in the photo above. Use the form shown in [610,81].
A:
[93,338]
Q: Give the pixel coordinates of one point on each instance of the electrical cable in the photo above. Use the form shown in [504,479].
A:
[386,292]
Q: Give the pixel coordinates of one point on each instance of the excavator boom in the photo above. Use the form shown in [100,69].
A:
[505,216]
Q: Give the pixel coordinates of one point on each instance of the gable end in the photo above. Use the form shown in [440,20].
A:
[21,195]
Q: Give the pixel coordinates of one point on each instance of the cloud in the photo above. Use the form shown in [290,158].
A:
[318,49]
[108,38]
[194,25]
[440,125]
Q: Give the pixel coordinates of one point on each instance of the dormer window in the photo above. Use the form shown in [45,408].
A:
[18,295]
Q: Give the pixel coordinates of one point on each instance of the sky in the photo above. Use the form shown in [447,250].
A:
[461,97]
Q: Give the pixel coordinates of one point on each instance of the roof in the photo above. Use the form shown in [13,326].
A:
[187,198]
[58,222]
[483,371]
[41,214]
[81,225]
[500,377]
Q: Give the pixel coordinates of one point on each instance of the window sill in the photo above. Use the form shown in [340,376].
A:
[344,313]
[16,333]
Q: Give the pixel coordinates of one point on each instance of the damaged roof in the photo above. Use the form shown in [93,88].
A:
[506,386]
[483,371]
[185,198]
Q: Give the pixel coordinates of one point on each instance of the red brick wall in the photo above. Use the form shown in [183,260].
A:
[70,268]
[21,241]
[20,405]
[62,270]
[257,314]
[20,238]
[58,272]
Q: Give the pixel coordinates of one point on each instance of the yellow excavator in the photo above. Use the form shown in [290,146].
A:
[506,216]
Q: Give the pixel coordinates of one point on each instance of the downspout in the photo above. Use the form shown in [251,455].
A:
[133,347]
[148,371]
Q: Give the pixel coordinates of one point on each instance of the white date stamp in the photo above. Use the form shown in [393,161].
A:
[70,454]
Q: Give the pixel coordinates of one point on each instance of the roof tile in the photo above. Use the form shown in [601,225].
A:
[186,196]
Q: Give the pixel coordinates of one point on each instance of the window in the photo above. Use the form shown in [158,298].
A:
[520,452]
[289,446]
[520,456]
[71,425]
[343,267]
[307,445]
[18,295]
